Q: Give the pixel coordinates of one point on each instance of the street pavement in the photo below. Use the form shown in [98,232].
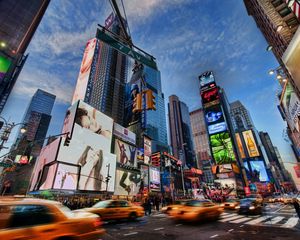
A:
[278,221]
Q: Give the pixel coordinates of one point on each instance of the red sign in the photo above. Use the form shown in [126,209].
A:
[210,95]
[196,171]
[172,157]
[297,170]
[247,191]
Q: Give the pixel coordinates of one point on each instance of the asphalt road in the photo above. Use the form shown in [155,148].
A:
[277,222]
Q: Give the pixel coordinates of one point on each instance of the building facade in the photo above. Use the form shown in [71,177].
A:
[180,131]
[241,118]
[19,21]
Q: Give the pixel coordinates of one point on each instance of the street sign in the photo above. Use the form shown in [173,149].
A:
[125,49]
[5,165]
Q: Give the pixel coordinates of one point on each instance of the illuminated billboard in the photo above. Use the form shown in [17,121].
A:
[259,171]
[210,96]
[69,119]
[240,145]
[126,154]
[250,143]
[225,168]
[66,177]
[21,159]
[127,182]
[147,150]
[4,67]
[227,185]
[154,178]
[124,134]
[214,114]
[222,149]
[47,178]
[145,177]
[85,69]
[216,128]
[291,105]
[206,78]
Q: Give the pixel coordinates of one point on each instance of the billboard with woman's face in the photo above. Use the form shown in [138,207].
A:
[126,154]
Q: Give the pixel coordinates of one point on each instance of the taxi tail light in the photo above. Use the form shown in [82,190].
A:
[97,222]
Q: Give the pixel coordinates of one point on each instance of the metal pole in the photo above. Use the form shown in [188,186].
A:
[182,178]
[107,181]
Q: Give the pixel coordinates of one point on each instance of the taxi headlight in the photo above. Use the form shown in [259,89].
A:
[222,205]
[252,207]
[237,207]
[232,205]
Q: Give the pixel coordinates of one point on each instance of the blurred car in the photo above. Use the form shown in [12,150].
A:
[287,199]
[42,219]
[257,197]
[249,206]
[196,210]
[231,203]
[116,210]
[168,208]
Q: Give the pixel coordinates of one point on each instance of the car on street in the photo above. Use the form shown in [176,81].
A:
[196,210]
[47,220]
[249,206]
[231,203]
[175,205]
[116,210]
[258,198]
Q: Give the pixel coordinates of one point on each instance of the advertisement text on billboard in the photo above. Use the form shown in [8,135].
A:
[124,134]
[154,178]
[210,96]
[250,143]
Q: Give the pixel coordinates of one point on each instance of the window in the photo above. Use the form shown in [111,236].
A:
[284,12]
[29,215]
[292,22]
[123,204]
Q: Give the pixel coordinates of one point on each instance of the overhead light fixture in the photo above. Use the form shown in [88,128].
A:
[271,72]
[2,44]
[279,28]
[278,76]
[269,48]
[284,80]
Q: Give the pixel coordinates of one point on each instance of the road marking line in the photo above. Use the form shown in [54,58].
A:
[223,214]
[230,230]
[214,236]
[274,220]
[291,222]
[280,209]
[258,220]
[177,225]
[132,233]
[157,229]
[230,218]
[244,219]
[229,215]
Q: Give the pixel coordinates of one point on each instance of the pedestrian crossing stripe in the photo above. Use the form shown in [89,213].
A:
[260,220]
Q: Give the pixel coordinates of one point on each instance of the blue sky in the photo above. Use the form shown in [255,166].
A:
[187,37]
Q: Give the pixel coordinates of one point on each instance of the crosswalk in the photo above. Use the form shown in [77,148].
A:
[267,220]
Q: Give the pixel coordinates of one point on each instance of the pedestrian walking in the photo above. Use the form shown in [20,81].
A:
[297,207]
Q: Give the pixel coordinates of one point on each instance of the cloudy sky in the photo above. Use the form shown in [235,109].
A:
[187,37]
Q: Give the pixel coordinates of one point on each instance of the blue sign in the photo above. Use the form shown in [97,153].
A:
[218,127]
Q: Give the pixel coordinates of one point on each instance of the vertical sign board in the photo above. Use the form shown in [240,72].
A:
[147,150]
[250,143]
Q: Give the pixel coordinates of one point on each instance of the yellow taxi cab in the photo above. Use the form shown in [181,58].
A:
[196,210]
[116,210]
[47,220]
[175,206]
[231,203]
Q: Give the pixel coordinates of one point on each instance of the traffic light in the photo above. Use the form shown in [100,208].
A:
[107,179]
[67,141]
[137,103]
[150,100]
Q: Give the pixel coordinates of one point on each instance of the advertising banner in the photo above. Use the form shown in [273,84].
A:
[259,173]
[4,67]
[154,179]
[69,119]
[21,159]
[222,149]
[206,78]
[240,145]
[147,150]
[214,114]
[126,154]
[227,185]
[216,128]
[250,143]
[124,134]
[85,69]
[127,182]
[210,96]
[297,170]
[48,177]
[225,168]
[66,177]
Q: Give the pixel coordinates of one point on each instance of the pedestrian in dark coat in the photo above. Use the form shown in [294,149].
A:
[297,207]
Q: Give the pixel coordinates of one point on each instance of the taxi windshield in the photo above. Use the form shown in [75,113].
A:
[102,204]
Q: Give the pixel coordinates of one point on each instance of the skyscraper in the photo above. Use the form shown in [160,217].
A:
[180,131]
[19,20]
[241,118]
[37,119]
[103,75]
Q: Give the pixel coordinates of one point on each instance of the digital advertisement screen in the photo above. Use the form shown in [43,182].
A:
[225,168]
[210,95]
[124,134]
[154,178]
[240,145]
[214,115]
[69,119]
[147,150]
[66,177]
[258,169]
[4,67]
[21,159]
[222,148]
[228,186]
[126,154]
[206,78]
[85,69]
[48,177]
[216,128]
[127,182]
[250,144]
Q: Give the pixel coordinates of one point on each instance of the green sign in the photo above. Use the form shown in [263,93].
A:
[5,165]
[125,49]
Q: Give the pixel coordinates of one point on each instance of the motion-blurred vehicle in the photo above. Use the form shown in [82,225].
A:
[249,206]
[116,210]
[196,210]
[176,205]
[287,198]
[258,198]
[231,203]
[47,220]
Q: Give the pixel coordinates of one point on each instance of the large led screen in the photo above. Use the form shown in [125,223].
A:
[66,177]
[4,67]
[240,145]
[147,150]
[126,154]
[222,149]
[85,69]
[250,144]
[228,186]
[259,170]
[210,96]
[214,114]
[124,134]
[127,182]
[48,177]
[144,178]
[154,178]
[69,119]
[206,78]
